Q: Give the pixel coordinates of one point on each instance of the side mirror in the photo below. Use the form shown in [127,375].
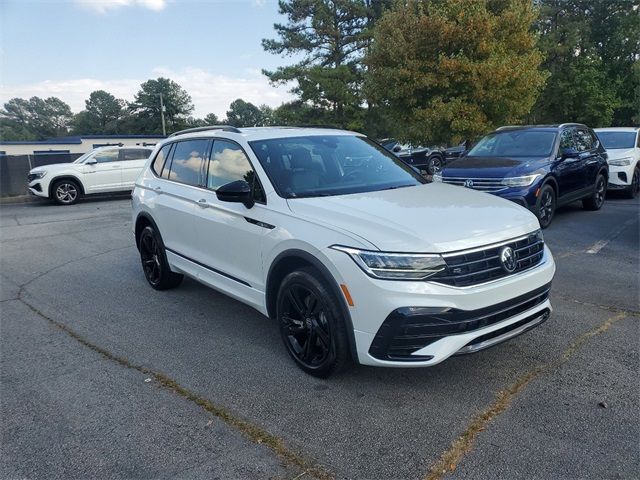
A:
[91,161]
[397,148]
[569,153]
[236,192]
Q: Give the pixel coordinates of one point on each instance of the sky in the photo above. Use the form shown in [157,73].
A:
[70,48]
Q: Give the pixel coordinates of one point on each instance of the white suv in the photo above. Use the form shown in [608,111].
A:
[623,154]
[343,244]
[105,169]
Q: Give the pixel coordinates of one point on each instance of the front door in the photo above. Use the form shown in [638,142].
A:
[105,175]
[570,170]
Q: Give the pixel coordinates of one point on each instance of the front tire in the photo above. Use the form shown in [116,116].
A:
[311,323]
[546,205]
[634,188]
[596,200]
[154,261]
[66,192]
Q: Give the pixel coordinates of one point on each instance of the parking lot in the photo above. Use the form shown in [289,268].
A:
[104,377]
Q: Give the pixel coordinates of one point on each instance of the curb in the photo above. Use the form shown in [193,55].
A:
[19,199]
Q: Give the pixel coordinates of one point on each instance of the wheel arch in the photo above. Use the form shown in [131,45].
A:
[293,259]
[143,220]
[55,180]
[551,180]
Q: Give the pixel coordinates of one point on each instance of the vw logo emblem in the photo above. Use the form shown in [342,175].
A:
[468,183]
[508,259]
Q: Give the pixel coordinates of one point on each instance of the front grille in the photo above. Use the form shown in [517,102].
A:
[407,330]
[490,185]
[480,265]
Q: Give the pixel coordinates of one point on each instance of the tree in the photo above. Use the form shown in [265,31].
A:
[211,119]
[146,106]
[447,70]
[34,119]
[243,114]
[591,49]
[102,114]
[331,36]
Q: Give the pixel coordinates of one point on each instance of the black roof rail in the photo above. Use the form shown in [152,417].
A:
[225,128]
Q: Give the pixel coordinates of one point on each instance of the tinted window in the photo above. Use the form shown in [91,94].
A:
[567,139]
[228,163]
[515,143]
[612,140]
[188,163]
[331,165]
[134,154]
[161,157]
[105,156]
[584,140]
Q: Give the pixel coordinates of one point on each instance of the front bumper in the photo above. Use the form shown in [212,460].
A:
[376,300]
[38,188]
[620,177]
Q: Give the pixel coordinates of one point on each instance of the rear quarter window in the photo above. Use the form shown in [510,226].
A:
[160,160]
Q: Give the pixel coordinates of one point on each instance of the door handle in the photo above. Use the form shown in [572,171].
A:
[203,203]
[158,189]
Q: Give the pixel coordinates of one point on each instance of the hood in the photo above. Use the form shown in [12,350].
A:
[54,167]
[492,167]
[616,153]
[431,218]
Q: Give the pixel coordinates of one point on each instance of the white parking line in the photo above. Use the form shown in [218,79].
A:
[600,244]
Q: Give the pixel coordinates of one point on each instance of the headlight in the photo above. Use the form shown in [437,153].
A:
[437,177]
[520,181]
[621,162]
[36,175]
[395,266]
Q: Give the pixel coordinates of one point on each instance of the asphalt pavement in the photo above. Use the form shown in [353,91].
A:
[103,377]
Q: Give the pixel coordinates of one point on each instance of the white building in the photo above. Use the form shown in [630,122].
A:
[74,144]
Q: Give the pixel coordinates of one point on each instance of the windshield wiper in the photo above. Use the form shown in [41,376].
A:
[399,186]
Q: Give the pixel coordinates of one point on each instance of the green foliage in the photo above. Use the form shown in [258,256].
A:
[34,119]
[102,115]
[331,36]
[446,70]
[146,107]
[591,50]
[211,119]
[246,114]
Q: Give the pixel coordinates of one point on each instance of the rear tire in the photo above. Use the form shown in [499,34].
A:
[311,323]
[154,261]
[596,200]
[65,192]
[434,165]
[634,188]
[546,205]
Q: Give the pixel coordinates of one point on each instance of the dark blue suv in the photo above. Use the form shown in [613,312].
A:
[540,167]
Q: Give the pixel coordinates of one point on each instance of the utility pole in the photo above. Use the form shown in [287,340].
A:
[164,130]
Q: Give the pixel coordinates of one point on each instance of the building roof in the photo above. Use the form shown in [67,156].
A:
[77,139]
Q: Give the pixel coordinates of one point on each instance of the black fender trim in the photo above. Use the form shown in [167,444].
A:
[324,271]
[65,177]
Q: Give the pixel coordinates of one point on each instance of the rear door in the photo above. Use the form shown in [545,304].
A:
[105,175]
[132,160]
[181,183]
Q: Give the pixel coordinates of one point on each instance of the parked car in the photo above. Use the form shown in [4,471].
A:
[539,167]
[105,169]
[428,159]
[623,149]
[452,153]
[283,220]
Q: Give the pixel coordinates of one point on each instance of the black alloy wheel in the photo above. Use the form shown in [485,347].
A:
[434,165]
[596,200]
[310,324]
[154,262]
[66,192]
[546,205]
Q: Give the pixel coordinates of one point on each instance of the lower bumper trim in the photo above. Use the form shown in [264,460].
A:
[504,334]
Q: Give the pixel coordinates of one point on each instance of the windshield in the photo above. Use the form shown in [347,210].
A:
[614,140]
[83,157]
[326,165]
[515,143]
